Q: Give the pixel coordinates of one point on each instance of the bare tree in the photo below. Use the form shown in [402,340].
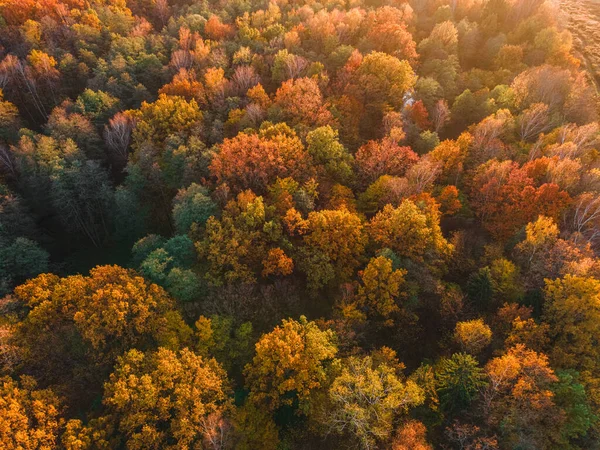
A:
[6,161]
[181,59]
[117,135]
[440,115]
[533,121]
[244,78]
[586,218]
[423,174]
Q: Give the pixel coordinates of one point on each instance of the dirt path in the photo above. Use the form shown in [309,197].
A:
[583,20]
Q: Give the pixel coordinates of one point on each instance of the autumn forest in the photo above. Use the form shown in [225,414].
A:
[297,224]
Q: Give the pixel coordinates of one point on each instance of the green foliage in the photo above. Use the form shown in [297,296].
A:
[414,176]
[458,381]
[326,150]
[192,205]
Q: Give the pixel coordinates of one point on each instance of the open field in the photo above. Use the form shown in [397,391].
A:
[584,23]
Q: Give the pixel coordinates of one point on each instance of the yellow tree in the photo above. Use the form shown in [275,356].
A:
[169,115]
[79,324]
[412,231]
[112,309]
[29,417]
[381,288]
[236,246]
[366,397]
[473,336]
[572,310]
[333,245]
[168,400]
[289,363]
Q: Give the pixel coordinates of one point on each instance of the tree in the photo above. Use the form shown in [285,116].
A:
[94,319]
[471,107]
[542,84]
[289,363]
[185,84]
[366,396]
[440,115]
[573,312]
[519,401]
[117,135]
[230,343]
[570,396]
[449,200]
[472,336]
[29,417]
[381,288]
[458,381]
[383,79]
[412,435]
[20,260]
[452,155]
[254,428]
[277,263]
[386,157]
[82,195]
[251,161]
[169,265]
[533,121]
[98,106]
[167,399]
[169,115]
[412,231]
[539,235]
[9,120]
[217,30]
[237,244]
[288,66]
[192,205]
[388,34]
[505,198]
[325,149]
[333,243]
[586,218]
[301,102]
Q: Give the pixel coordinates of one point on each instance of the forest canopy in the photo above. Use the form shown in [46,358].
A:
[292,224]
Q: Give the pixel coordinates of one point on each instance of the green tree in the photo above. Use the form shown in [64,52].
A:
[192,205]
[326,150]
[459,380]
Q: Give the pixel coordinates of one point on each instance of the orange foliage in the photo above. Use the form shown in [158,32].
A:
[301,101]
[277,263]
[506,199]
[386,157]
[185,84]
[250,161]
[449,201]
[217,30]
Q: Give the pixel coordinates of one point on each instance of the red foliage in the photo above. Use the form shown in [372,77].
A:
[449,201]
[217,30]
[301,101]
[419,115]
[249,161]
[385,157]
[505,198]
[16,12]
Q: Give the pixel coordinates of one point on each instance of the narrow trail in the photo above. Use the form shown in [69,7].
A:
[583,20]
